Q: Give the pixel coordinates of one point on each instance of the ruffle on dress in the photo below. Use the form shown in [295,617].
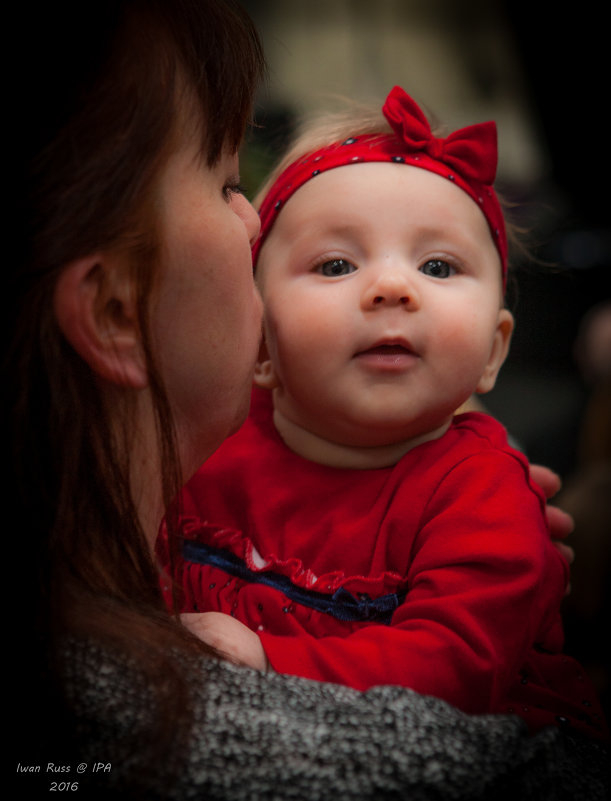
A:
[347,598]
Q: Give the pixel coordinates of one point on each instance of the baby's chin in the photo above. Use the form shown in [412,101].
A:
[367,449]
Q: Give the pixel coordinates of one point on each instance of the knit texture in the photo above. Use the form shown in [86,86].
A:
[267,736]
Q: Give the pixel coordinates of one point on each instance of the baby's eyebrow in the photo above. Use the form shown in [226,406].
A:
[321,231]
[336,228]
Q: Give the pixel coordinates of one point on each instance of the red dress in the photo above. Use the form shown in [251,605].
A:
[437,573]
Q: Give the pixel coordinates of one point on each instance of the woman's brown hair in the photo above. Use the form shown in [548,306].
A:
[104,89]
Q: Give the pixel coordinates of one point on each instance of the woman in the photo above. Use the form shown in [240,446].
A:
[134,325]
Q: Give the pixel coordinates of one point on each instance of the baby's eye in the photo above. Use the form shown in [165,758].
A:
[437,268]
[335,267]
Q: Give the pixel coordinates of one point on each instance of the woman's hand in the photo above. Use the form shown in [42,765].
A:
[232,639]
[560,523]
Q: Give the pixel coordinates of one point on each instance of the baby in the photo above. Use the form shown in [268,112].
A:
[362,531]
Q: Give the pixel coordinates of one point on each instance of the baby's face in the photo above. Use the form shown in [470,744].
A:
[382,291]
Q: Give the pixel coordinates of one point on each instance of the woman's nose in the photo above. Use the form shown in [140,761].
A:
[391,287]
[248,215]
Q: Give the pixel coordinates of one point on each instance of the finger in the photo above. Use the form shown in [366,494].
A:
[190,617]
[561,523]
[549,481]
[566,551]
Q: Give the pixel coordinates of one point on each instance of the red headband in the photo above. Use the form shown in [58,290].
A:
[467,157]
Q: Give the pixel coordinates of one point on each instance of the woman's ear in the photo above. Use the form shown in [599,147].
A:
[498,352]
[95,308]
[265,374]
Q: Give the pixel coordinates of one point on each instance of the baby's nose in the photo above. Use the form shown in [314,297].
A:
[391,287]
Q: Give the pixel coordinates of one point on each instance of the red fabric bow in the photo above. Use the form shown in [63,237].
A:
[471,151]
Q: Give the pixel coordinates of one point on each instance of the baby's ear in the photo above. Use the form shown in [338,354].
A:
[498,352]
[265,373]
[94,302]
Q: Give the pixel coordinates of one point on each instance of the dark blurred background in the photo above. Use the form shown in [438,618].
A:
[543,75]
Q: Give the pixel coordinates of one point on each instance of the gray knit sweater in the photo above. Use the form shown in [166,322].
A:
[255,736]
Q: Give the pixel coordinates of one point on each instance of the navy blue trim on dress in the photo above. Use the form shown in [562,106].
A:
[341,605]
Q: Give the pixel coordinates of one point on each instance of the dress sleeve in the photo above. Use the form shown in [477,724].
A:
[484,584]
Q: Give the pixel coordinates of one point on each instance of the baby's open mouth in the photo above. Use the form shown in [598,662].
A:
[388,350]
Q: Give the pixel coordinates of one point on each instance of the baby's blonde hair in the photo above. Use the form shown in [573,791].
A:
[325,128]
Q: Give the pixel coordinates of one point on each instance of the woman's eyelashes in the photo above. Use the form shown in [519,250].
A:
[335,268]
[232,188]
